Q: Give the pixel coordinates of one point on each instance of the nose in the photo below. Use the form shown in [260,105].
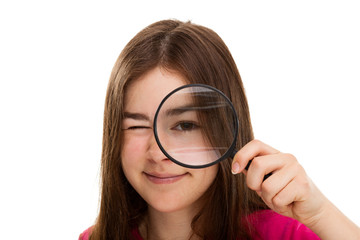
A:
[154,152]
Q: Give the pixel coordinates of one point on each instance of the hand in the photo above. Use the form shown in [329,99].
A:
[288,191]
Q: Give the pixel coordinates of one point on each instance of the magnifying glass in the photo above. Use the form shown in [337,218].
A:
[196,126]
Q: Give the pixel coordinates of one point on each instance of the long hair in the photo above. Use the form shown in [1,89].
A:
[200,56]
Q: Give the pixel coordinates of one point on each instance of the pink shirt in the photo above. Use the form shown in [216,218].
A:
[268,224]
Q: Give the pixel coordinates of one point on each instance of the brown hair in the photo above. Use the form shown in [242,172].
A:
[200,56]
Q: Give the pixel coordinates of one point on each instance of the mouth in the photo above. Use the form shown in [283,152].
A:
[158,178]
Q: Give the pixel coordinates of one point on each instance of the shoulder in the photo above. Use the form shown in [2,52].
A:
[85,235]
[271,225]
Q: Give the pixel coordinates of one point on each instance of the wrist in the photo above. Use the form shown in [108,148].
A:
[330,223]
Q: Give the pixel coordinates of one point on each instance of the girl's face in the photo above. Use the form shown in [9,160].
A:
[164,185]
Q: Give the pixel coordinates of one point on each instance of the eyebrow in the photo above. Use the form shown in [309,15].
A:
[136,116]
[181,110]
[191,107]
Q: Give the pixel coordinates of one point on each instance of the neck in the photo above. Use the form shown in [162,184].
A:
[174,225]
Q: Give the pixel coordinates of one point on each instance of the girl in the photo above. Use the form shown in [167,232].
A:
[146,196]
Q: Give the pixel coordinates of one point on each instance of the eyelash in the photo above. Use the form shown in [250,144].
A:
[136,127]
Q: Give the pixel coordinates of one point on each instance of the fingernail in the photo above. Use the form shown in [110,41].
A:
[235,168]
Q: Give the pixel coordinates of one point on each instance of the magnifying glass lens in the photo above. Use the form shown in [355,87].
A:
[196,126]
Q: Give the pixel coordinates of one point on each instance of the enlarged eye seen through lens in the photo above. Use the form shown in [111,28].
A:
[185,126]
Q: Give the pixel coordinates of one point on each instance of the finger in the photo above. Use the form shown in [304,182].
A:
[262,166]
[248,152]
[283,202]
[278,182]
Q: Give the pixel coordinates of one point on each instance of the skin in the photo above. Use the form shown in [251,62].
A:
[163,184]
[290,192]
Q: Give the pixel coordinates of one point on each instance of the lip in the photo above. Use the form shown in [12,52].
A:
[160,178]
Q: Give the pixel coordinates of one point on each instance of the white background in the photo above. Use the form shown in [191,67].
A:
[299,61]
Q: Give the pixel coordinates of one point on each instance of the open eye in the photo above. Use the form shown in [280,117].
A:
[185,126]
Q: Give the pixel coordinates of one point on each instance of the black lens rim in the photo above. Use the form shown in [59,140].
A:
[227,154]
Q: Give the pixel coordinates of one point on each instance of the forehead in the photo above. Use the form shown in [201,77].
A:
[144,94]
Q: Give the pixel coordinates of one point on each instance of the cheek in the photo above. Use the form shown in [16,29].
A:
[211,174]
[132,144]
[205,177]
[133,150]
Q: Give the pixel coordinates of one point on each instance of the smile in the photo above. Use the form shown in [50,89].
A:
[164,178]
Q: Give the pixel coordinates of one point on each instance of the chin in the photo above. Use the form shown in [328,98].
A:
[170,204]
[168,208]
